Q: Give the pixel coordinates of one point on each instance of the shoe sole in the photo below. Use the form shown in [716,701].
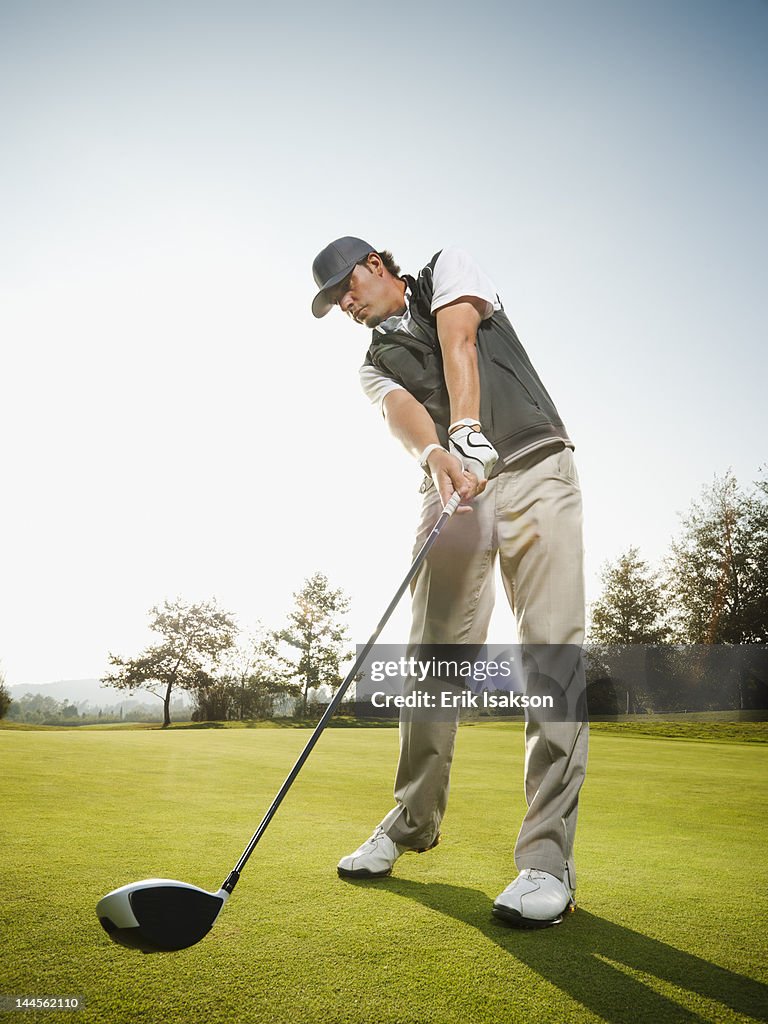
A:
[516,920]
[365,873]
[362,873]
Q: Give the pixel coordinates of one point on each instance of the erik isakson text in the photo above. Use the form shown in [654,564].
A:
[464,699]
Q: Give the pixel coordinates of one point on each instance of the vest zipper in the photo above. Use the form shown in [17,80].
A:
[509,369]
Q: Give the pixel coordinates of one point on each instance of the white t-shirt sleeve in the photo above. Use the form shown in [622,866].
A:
[457,274]
[377,385]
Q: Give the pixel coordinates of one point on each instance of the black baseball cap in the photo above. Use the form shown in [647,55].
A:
[333,264]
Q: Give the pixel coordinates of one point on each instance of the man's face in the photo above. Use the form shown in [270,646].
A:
[369,294]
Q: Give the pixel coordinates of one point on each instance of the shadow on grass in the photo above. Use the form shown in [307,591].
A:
[584,957]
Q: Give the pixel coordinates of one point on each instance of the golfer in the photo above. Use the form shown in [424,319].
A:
[457,389]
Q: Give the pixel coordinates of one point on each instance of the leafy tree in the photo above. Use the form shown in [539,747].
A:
[628,616]
[214,700]
[317,633]
[193,639]
[250,680]
[632,607]
[756,616]
[5,697]
[718,566]
[37,708]
[260,675]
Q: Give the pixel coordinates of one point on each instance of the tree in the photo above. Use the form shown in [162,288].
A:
[214,700]
[250,679]
[36,708]
[260,675]
[756,600]
[5,697]
[194,637]
[718,575]
[628,617]
[632,607]
[316,631]
[718,566]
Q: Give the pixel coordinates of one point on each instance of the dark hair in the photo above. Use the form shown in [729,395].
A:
[388,260]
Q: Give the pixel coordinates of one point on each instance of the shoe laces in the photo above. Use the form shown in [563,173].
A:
[378,833]
[533,875]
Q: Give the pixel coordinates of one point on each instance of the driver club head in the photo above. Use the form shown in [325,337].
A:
[159,914]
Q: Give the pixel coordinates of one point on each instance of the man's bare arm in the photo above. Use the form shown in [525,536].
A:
[409,422]
[457,325]
[414,428]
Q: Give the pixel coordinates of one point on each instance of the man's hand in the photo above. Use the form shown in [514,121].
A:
[468,443]
[449,475]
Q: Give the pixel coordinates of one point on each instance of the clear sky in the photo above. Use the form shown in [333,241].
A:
[174,420]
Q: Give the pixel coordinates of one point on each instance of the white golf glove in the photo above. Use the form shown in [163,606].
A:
[468,443]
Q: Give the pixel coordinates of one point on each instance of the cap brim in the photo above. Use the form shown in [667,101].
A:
[321,303]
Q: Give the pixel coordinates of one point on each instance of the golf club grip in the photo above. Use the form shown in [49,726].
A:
[445,515]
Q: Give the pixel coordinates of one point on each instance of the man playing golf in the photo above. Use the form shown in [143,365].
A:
[459,392]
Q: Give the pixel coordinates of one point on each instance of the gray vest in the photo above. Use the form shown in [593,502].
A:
[516,412]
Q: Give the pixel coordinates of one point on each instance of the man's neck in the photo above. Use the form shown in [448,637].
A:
[402,286]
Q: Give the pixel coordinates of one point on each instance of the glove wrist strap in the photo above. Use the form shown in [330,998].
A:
[426,453]
[465,423]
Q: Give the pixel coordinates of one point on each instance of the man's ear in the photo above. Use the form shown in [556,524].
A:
[374,264]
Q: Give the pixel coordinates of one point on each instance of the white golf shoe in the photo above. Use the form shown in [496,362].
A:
[536,899]
[374,859]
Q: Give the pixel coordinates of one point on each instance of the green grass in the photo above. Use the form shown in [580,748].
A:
[671,858]
[718,732]
[337,722]
[719,726]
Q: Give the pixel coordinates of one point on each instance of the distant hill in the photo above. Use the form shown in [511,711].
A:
[80,691]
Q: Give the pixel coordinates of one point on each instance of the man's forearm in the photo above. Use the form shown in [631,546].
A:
[462,378]
[457,325]
[414,428]
[409,422]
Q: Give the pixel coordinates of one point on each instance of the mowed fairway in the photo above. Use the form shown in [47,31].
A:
[672,891]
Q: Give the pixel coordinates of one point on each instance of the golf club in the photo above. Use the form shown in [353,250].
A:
[161,914]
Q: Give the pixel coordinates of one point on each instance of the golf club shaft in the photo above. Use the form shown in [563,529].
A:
[446,514]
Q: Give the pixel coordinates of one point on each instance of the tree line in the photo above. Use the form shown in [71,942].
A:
[677,635]
[42,709]
[235,675]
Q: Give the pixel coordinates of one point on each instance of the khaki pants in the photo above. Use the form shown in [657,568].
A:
[530,517]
